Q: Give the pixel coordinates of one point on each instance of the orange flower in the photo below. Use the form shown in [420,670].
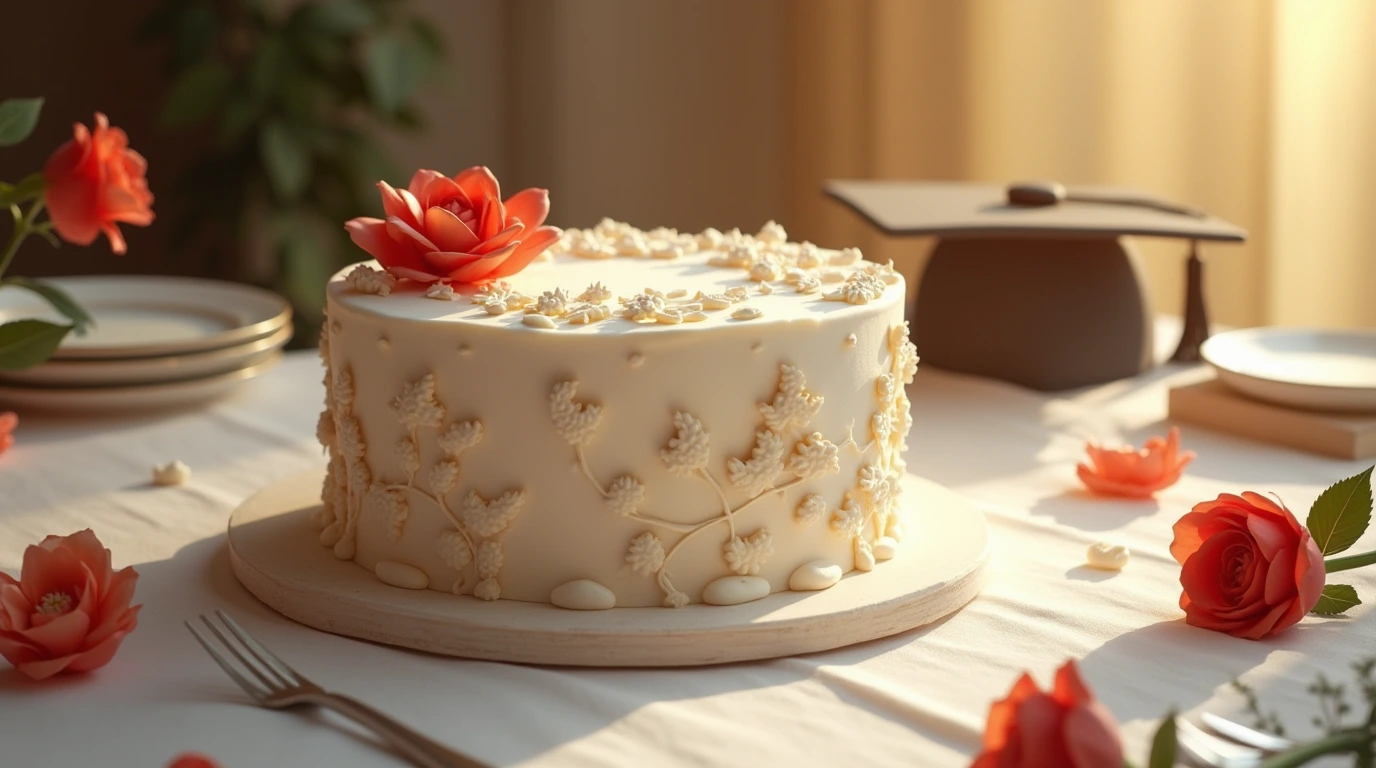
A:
[1066,727]
[1133,473]
[455,230]
[8,421]
[95,181]
[1248,567]
[69,611]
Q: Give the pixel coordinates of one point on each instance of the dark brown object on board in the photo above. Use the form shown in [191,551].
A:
[1047,295]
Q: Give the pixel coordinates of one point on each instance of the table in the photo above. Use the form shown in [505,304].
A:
[918,699]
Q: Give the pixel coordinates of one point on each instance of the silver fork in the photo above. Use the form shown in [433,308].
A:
[1199,747]
[279,686]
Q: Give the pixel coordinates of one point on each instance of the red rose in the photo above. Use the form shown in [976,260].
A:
[455,230]
[95,181]
[1247,565]
[69,610]
[1066,727]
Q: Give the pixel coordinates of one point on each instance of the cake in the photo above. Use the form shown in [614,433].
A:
[636,418]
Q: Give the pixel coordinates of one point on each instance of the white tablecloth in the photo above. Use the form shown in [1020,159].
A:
[918,699]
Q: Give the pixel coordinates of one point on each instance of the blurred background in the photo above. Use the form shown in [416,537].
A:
[266,122]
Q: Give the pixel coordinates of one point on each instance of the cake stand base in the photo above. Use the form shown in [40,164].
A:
[939,568]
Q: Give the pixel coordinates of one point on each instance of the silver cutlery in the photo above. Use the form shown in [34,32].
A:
[1200,748]
[1243,735]
[278,686]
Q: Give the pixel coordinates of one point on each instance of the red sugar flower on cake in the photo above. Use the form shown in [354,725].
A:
[95,182]
[1066,726]
[1133,473]
[455,230]
[1248,567]
[69,610]
[8,421]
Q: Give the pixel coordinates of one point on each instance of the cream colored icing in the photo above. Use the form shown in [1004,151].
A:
[601,421]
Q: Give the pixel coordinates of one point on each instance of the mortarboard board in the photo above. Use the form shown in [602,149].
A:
[1033,283]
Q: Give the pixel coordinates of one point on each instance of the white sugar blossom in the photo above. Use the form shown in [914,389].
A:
[741,256]
[625,495]
[849,519]
[716,301]
[884,272]
[811,509]
[416,405]
[643,306]
[350,434]
[815,456]
[489,559]
[454,550]
[488,518]
[390,505]
[675,599]
[881,427]
[487,589]
[359,475]
[709,239]
[831,276]
[755,475]
[460,437]
[808,284]
[441,292]
[688,449]
[646,554]
[590,245]
[746,555]
[667,251]
[365,279]
[886,388]
[574,421]
[584,313]
[325,430]
[846,257]
[766,269]
[343,390]
[408,456]
[859,288]
[595,294]
[864,555]
[499,297]
[553,303]
[793,406]
[442,477]
[809,257]
[772,232]
[632,243]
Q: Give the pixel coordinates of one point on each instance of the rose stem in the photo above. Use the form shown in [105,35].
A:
[22,229]
[1337,744]
[1351,561]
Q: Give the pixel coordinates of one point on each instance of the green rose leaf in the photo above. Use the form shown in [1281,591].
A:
[196,94]
[1163,744]
[286,159]
[58,298]
[29,187]
[393,68]
[26,343]
[1336,599]
[1341,514]
[17,119]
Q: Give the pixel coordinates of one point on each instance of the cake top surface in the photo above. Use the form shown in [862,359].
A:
[614,278]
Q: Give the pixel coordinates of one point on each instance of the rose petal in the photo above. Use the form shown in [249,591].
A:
[1039,730]
[501,239]
[98,656]
[114,609]
[1280,577]
[418,183]
[371,235]
[532,245]
[399,230]
[61,636]
[1270,535]
[46,571]
[479,184]
[477,270]
[445,262]
[1091,737]
[43,669]
[531,206]
[449,232]
[492,219]
[395,204]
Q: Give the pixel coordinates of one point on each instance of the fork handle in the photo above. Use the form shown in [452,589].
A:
[418,749]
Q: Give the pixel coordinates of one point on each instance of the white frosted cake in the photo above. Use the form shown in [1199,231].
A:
[634,419]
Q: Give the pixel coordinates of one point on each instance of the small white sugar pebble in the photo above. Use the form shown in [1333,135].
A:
[1108,557]
[171,473]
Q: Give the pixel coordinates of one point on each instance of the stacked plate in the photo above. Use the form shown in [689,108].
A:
[1325,370]
[159,342]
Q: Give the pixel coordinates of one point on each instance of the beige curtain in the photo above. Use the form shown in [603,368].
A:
[727,113]
[1261,112]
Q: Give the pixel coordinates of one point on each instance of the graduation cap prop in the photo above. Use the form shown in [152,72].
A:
[1036,284]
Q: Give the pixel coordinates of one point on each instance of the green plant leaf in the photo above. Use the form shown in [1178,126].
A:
[306,260]
[26,343]
[393,69]
[338,17]
[28,188]
[1163,744]
[195,94]
[286,159]
[1341,514]
[1336,599]
[17,119]
[58,298]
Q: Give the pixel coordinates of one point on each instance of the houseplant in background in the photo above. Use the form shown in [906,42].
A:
[289,98]
[88,187]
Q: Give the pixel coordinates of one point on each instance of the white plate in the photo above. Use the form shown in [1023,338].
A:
[1328,370]
[139,397]
[148,370]
[149,316]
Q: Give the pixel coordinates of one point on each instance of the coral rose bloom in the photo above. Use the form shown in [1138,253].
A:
[1247,565]
[1132,473]
[95,182]
[455,230]
[69,611]
[1066,727]
[8,421]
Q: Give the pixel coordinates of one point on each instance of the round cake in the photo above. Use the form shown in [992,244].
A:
[635,419]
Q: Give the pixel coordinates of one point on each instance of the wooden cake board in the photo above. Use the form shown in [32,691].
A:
[939,568]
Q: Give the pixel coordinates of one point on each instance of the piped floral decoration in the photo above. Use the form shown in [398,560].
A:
[69,610]
[1132,473]
[455,230]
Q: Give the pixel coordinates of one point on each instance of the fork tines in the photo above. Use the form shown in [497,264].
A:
[272,673]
